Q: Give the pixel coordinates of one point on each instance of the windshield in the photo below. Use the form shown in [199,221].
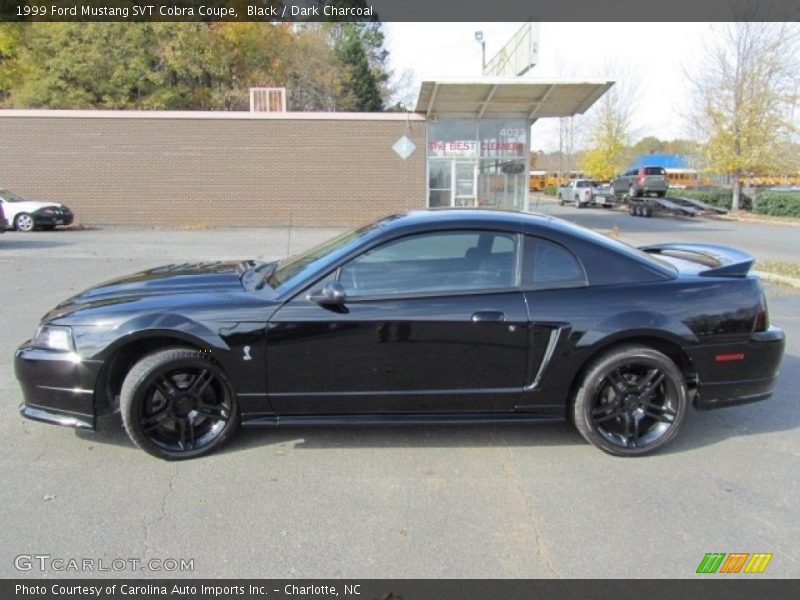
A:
[291,266]
[10,196]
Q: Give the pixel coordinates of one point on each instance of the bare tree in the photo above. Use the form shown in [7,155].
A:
[744,91]
[611,129]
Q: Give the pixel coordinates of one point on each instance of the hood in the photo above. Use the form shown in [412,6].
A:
[30,206]
[188,278]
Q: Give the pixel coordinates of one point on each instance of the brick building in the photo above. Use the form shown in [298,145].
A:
[467,144]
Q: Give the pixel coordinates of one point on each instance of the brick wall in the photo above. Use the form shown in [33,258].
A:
[212,171]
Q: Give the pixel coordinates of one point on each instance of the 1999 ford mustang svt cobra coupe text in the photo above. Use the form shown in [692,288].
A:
[444,316]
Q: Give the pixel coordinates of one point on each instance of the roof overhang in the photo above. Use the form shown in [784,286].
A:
[503,98]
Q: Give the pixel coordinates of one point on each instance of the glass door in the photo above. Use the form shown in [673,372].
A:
[440,182]
[465,188]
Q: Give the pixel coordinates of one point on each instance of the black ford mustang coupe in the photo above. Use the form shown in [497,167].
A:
[447,316]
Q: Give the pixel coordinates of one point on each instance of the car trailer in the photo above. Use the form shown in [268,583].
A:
[646,206]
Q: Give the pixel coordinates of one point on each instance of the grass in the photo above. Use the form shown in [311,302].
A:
[786,269]
[747,216]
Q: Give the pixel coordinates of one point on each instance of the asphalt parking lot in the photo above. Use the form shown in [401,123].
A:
[498,501]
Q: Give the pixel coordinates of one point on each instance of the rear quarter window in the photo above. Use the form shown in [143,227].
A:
[547,265]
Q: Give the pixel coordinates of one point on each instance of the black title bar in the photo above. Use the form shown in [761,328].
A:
[276,11]
[704,587]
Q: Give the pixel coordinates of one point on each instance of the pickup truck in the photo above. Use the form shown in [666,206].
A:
[585,192]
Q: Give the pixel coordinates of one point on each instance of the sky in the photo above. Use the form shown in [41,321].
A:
[652,53]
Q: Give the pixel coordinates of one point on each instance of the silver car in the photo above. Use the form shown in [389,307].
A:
[640,182]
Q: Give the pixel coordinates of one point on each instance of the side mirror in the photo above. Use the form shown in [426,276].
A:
[331,295]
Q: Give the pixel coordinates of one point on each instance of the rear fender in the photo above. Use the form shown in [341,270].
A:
[637,324]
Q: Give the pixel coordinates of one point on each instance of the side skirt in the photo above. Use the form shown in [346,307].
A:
[397,419]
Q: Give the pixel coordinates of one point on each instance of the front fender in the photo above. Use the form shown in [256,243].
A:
[103,345]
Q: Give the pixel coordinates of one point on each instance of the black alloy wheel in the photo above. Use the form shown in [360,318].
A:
[633,400]
[178,404]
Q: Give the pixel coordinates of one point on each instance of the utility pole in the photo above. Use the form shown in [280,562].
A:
[482,42]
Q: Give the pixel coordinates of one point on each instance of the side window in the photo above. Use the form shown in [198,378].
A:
[547,265]
[442,261]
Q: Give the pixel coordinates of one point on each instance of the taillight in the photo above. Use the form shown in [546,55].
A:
[761,322]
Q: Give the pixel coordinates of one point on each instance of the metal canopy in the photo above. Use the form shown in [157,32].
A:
[527,98]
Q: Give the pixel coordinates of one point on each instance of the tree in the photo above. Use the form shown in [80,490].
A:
[611,127]
[10,43]
[744,90]
[191,66]
[648,145]
[362,81]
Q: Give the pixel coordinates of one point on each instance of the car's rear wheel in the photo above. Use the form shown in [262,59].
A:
[23,222]
[631,401]
[178,404]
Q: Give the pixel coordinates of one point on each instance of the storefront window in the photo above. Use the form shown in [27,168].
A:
[478,163]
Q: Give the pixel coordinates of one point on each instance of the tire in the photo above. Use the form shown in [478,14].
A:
[23,222]
[560,201]
[632,400]
[578,202]
[632,210]
[178,404]
[647,212]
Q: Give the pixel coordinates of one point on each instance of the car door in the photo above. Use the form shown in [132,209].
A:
[551,277]
[431,322]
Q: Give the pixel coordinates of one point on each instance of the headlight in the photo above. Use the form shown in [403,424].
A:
[54,337]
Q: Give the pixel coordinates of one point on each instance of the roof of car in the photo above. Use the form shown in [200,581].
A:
[478,217]
[464,215]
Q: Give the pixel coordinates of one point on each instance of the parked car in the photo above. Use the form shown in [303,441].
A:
[26,215]
[442,316]
[585,192]
[641,181]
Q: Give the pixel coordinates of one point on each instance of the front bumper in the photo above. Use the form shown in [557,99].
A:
[52,220]
[57,387]
[742,381]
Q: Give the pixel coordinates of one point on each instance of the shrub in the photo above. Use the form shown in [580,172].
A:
[550,190]
[719,197]
[778,204]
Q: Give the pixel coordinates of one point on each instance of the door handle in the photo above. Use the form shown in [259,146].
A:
[488,315]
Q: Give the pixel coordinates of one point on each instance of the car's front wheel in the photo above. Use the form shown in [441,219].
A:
[23,222]
[632,400]
[178,404]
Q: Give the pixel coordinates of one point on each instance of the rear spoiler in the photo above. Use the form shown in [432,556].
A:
[730,262]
